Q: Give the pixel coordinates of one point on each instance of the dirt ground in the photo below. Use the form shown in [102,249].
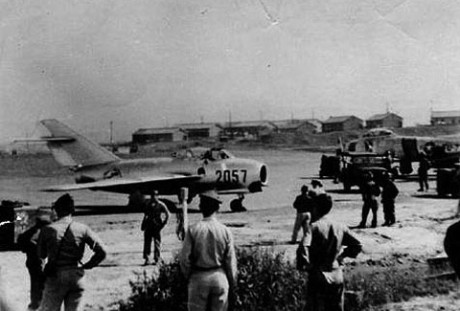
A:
[418,234]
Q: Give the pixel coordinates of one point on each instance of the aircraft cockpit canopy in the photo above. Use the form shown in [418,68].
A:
[210,154]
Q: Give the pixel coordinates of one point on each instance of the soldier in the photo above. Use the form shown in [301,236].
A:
[423,167]
[369,191]
[63,244]
[302,204]
[27,242]
[208,259]
[323,257]
[452,246]
[156,216]
[389,194]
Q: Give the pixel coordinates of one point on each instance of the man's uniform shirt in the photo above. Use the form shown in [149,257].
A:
[325,241]
[209,245]
[71,247]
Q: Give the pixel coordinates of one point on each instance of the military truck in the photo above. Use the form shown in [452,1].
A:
[357,165]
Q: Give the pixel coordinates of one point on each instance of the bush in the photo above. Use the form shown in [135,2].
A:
[394,284]
[266,281]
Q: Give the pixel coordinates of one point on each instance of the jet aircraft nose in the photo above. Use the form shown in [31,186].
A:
[256,186]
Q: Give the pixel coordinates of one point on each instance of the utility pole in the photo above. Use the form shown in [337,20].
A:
[111,133]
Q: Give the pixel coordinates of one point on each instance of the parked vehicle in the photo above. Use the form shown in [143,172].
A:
[356,165]
[448,181]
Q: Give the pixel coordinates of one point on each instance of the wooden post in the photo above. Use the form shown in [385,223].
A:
[182,217]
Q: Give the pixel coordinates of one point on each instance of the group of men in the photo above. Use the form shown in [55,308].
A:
[370,192]
[207,258]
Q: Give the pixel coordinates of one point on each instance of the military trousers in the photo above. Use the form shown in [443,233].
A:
[389,212]
[37,283]
[208,290]
[368,206]
[325,291]
[66,287]
[154,235]
[299,223]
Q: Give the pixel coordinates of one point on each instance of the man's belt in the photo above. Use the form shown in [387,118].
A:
[206,269]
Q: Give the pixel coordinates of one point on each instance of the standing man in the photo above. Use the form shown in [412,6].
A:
[302,204]
[156,216]
[389,194]
[369,191]
[27,242]
[63,244]
[423,167]
[452,246]
[326,245]
[208,259]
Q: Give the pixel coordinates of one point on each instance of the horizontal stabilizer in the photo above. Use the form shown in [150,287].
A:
[45,139]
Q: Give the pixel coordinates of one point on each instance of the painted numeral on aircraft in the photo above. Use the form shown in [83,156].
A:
[231,175]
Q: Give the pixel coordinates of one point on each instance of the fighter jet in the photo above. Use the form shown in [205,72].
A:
[98,169]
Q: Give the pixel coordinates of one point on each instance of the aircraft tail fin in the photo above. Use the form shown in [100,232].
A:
[72,149]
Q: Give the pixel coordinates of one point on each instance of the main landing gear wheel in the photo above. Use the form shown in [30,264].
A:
[236,205]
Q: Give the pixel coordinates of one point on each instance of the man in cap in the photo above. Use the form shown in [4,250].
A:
[369,191]
[62,243]
[208,259]
[317,187]
[323,245]
[302,204]
[156,217]
[389,194]
[27,242]
[423,167]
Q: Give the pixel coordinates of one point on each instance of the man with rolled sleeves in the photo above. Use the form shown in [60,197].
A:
[63,243]
[326,244]
[208,259]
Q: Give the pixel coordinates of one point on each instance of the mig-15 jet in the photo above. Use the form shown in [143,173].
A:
[198,170]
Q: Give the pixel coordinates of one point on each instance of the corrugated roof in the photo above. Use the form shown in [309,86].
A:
[248,124]
[339,119]
[160,130]
[445,114]
[382,116]
[198,125]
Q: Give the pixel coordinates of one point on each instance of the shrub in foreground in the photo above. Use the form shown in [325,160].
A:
[394,284]
[266,281]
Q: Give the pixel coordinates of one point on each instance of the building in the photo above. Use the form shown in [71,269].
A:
[248,129]
[200,130]
[445,117]
[342,123]
[156,135]
[294,126]
[389,119]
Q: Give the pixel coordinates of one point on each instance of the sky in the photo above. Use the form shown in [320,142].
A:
[156,63]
